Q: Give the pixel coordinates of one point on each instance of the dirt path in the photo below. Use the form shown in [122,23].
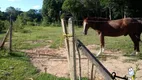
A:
[54,61]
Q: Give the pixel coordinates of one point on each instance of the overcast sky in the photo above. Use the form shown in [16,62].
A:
[24,5]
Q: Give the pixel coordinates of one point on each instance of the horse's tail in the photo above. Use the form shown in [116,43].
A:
[138,38]
[140,21]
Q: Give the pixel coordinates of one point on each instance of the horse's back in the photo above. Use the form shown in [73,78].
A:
[120,27]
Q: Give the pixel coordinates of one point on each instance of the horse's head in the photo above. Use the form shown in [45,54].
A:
[88,22]
[93,22]
[85,26]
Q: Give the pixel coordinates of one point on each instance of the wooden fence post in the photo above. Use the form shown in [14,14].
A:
[70,46]
[65,32]
[10,37]
[72,49]
[64,27]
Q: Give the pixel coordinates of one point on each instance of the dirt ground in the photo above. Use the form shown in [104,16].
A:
[54,61]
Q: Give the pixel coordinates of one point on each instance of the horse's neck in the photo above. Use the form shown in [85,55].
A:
[98,25]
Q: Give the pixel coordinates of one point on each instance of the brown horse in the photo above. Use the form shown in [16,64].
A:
[114,28]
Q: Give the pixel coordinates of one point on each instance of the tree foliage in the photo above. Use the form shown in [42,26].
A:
[92,8]
[1,25]
[72,6]
[51,10]
[13,12]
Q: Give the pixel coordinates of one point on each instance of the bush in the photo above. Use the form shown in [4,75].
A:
[19,24]
[30,23]
[6,24]
[46,21]
[1,26]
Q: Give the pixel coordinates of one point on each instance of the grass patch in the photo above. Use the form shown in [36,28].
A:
[45,76]
[37,36]
[15,66]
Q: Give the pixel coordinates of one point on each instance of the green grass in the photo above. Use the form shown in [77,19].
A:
[17,66]
[45,76]
[36,36]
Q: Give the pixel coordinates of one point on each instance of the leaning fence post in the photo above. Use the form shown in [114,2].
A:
[4,39]
[72,49]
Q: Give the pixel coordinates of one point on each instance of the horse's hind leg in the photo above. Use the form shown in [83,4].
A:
[102,44]
[138,37]
[136,44]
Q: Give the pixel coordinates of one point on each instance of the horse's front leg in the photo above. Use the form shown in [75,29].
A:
[102,44]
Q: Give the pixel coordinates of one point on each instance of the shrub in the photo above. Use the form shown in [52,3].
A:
[6,24]
[1,26]
[46,21]
[19,24]
[29,23]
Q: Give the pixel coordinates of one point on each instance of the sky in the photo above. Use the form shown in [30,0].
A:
[24,5]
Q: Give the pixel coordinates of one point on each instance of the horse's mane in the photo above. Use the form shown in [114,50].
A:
[99,18]
[96,19]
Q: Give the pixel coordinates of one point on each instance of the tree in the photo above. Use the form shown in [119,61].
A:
[50,11]
[134,8]
[38,16]
[59,9]
[72,6]
[116,8]
[12,11]
[31,15]
[92,8]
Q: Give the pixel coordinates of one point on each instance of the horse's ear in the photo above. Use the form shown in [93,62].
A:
[83,17]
